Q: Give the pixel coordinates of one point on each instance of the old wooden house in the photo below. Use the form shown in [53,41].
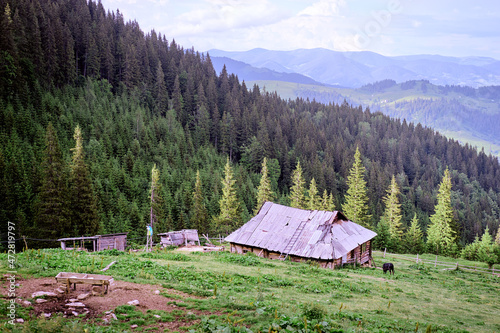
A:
[179,238]
[281,232]
[98,242]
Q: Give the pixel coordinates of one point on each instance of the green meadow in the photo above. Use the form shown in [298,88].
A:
[247,293]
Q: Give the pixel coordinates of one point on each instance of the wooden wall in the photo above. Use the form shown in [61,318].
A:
[118,242]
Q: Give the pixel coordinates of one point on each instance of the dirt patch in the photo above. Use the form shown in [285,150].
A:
[96,306]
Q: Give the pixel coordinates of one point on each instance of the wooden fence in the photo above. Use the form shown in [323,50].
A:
[436,263]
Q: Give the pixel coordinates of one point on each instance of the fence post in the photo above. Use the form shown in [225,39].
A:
[457,264]
[384,251]
[417,259]
[436,263]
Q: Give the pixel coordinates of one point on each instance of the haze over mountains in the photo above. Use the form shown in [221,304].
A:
[355,69]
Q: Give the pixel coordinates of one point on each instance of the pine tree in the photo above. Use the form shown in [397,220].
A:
[84,218]
[200,214]
[497,238]
[440,235]
[157,213]
[52,213]
[229,217]
[297,196]
[314,201]
[356,200]
[264,192]
[486,249]
[413,238]
[393,210]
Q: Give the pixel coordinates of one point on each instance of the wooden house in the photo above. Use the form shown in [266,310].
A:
[179,238]
[99,242]
[281,232]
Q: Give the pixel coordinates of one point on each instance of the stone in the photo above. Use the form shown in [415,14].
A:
[43,293]
[40,300]
[75,313]
[20,320]
[157,292]
[47,315]
[73,300]
[83,296]
[114,316]
[157,316]
[60,290]
[134,326]
[27,303]
[76,305]
[134,302]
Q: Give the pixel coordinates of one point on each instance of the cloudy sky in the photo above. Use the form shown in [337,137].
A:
[388,27]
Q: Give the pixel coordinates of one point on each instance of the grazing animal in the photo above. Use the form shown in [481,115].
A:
[388,267]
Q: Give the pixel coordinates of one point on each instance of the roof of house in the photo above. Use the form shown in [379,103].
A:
[303,233]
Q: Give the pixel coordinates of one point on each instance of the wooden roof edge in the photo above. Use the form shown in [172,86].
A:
[90,237]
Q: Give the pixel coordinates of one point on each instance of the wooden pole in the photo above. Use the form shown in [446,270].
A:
[435,264]
[384,251]
[417,259]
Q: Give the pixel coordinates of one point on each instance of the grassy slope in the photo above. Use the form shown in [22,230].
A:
[261,292]
[394,94]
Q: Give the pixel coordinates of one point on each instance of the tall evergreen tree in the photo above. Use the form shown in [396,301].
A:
[392,211]
[229,217]
[486,249]
[200,214]
[84,218]
[264,192]
[327,202]
[440,235]
[157,213]
[52,213]
[497,238]
[314,201]
[356,200]
[413,240]
[297,191]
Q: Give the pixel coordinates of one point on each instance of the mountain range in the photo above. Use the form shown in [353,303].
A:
[355,69]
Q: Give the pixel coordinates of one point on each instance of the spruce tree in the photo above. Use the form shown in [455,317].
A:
[356,199]
[486,249]
[157,213]
[314,201]
[200,214]
[264,192]
[497,238]
[440,235]
[297,196]
[229,217]
[84,218]
[413,240]
[392,211]
[52,209]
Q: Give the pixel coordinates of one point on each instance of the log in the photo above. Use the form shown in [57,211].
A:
[107,267]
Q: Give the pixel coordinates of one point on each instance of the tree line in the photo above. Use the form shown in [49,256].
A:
[140,100]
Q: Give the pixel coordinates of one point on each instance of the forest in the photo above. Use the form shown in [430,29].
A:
[90,103]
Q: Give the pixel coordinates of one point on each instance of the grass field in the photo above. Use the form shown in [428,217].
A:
[262,295]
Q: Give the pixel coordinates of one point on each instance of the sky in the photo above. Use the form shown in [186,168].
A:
[389,27]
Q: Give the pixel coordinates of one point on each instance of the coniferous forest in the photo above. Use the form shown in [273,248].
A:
[90,103]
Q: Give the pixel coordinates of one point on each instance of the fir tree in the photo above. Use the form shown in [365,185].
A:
[393,210]
[413,240]
[314,202]
[157,214]
[356,200]
[497,238]
[229,217]
[486,249]
[440,235]
[84,218]
[264,192]
[52,213]
[297,196]
[200,214]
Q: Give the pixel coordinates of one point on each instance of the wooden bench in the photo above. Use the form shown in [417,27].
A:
[69,278]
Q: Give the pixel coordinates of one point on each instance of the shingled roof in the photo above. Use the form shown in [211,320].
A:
[303,233]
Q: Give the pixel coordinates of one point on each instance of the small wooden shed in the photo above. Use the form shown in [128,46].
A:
[178,238]
[99,242]
[281,232]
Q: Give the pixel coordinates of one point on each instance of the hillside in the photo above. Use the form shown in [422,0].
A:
[465,114]
[141,100]
[355,69]
[221,291]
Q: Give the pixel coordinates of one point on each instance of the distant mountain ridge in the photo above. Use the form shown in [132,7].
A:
[355,69]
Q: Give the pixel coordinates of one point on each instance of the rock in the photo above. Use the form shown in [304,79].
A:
[114,316]
[108,312]
[47,315]
[105,320]
[134,326]
[27,303]
[75,313]
[134,302]
[76,305]
[157,292]
[83,296]
[73,300]
[157,316]
[20,320]
[60,291]
[40,300]
[43,293]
